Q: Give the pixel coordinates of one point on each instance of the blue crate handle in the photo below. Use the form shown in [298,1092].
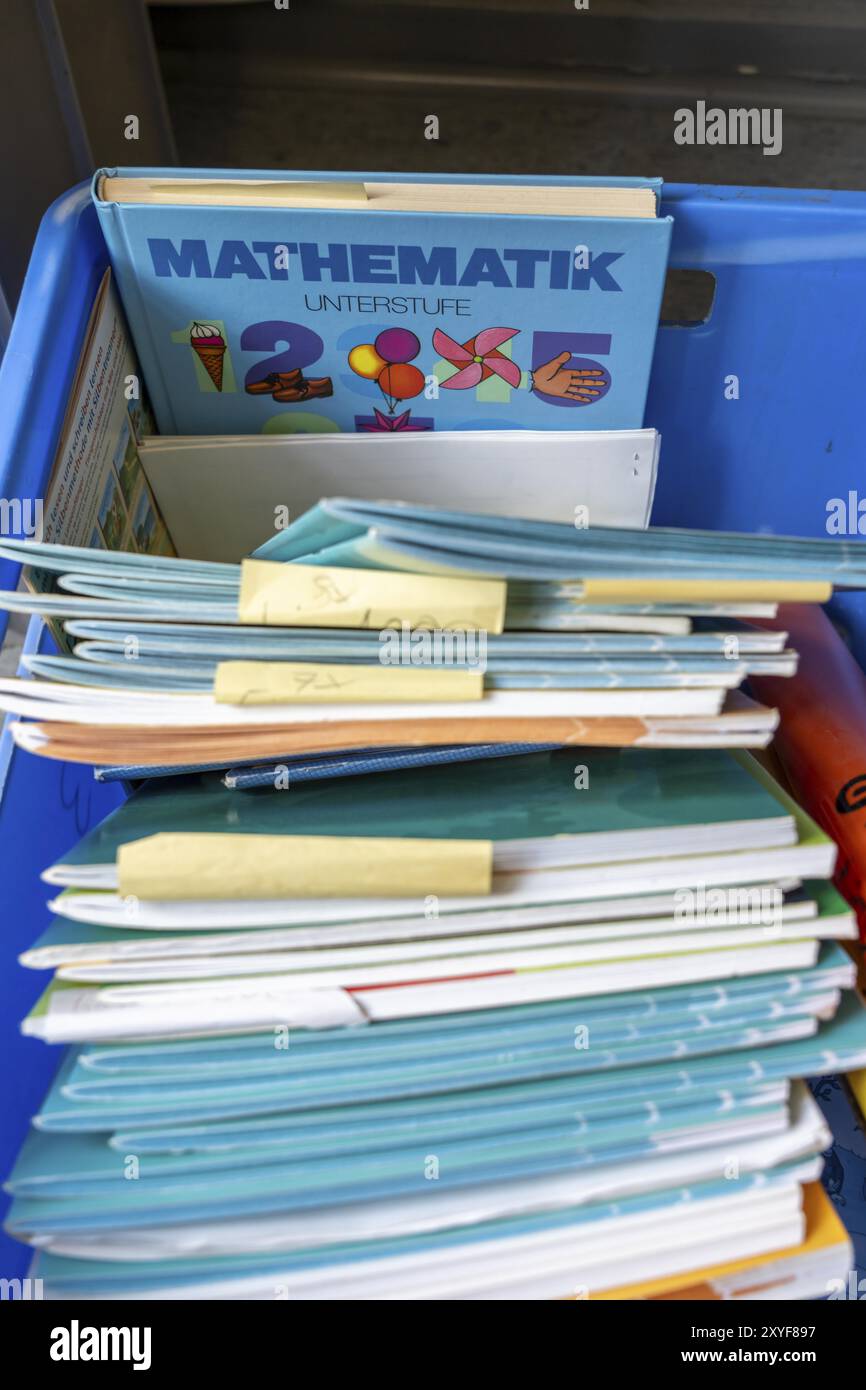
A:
[38,367]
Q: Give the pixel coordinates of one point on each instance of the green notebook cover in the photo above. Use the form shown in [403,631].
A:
[532,797]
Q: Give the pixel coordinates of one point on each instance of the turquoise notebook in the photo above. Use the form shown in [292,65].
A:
[630,792]
[83,1165]
[177,1084]
[66,1276]
[396,535]
[356,1177]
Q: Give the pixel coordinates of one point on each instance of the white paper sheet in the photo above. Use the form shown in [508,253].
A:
[219,494]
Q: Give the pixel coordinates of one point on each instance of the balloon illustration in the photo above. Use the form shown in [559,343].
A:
[400,382]
[387,363]
[365,360]
[397,345]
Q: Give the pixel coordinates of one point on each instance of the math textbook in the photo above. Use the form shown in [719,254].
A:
[316,302]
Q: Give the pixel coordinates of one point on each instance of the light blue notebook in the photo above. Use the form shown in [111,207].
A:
[169,656]
[372,1127]
[487,1054]
[65,1276]
[73,1165]
[641,1011]
[79,1102]
[87,1106]
[74,1194]
[114,671]
[99,640]
[395,535]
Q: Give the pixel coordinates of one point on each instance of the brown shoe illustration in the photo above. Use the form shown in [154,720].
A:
[305,391]
[263,387]
[275,381]
[320,386]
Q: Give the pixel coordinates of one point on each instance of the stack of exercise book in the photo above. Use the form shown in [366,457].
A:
[365,625]
[524,1025]
[540,1038]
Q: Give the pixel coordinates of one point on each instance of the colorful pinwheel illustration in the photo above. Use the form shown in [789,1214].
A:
[477,359]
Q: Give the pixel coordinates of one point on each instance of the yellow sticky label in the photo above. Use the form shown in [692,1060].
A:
[180,865]
[312,682]
[650,590]
[289,595]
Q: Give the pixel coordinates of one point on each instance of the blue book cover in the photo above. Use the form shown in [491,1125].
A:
[253,319]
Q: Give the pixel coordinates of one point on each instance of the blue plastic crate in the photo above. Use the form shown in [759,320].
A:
[788,320]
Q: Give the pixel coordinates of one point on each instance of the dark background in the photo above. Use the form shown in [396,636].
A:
[532,86]
[519,86]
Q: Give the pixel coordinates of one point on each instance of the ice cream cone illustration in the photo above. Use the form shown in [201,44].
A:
[206,340]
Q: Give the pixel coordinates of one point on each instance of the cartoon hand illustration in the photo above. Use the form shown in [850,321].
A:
[580,384]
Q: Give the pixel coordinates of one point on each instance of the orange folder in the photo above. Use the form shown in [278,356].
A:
[821,739]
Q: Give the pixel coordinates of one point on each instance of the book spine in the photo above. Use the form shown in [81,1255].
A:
[135,307]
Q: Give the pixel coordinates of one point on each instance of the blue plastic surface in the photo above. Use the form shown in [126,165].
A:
[788,320]
[43,807]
